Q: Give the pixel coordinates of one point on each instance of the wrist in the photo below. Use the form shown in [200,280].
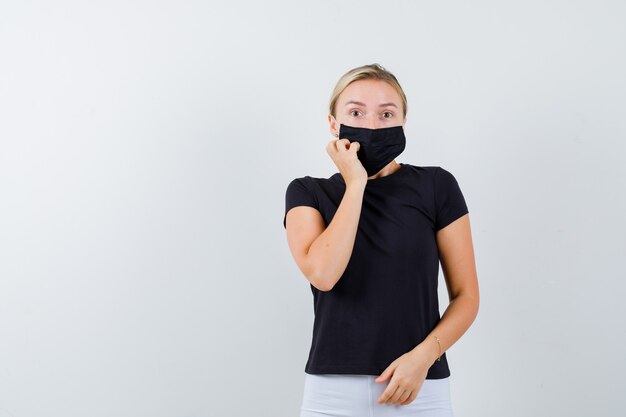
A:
[358,186]
[430,348]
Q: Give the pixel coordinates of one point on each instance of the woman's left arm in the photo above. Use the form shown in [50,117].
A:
[456,253]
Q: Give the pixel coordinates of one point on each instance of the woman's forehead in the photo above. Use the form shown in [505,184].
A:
[370,92]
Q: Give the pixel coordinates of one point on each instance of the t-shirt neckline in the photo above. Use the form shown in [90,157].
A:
[379,180]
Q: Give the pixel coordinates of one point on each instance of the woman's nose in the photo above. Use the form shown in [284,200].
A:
[372,123]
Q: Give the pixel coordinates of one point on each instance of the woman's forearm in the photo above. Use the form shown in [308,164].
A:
[331,251]
[455,321]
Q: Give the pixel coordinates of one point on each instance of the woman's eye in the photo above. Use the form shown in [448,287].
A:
[389,113]
[354,111]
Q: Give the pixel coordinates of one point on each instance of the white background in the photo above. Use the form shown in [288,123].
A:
[145,149]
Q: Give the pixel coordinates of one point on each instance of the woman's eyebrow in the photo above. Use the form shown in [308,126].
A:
[358,103]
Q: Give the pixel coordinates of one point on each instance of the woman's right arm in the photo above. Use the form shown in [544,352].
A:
[322,253]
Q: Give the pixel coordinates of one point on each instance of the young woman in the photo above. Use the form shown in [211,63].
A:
[369,240]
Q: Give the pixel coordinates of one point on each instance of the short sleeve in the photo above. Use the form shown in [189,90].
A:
[449,201]
[298,194]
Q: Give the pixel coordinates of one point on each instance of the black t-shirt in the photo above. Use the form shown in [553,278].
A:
[386,301]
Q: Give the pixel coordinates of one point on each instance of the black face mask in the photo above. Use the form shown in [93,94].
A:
[378,147]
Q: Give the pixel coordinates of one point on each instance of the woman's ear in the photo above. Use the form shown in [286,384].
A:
[334,126]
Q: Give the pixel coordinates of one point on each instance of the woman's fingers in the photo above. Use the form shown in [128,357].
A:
[344,155]
[333,146]
[342,145]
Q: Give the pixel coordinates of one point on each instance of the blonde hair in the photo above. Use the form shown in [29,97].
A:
[364,72]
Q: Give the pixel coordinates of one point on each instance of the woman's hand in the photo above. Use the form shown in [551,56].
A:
[343,153]
[407,373]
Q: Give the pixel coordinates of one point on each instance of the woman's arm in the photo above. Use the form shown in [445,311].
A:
[459,268]
[322,254]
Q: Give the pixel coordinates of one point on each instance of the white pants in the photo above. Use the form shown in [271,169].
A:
[339,395]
